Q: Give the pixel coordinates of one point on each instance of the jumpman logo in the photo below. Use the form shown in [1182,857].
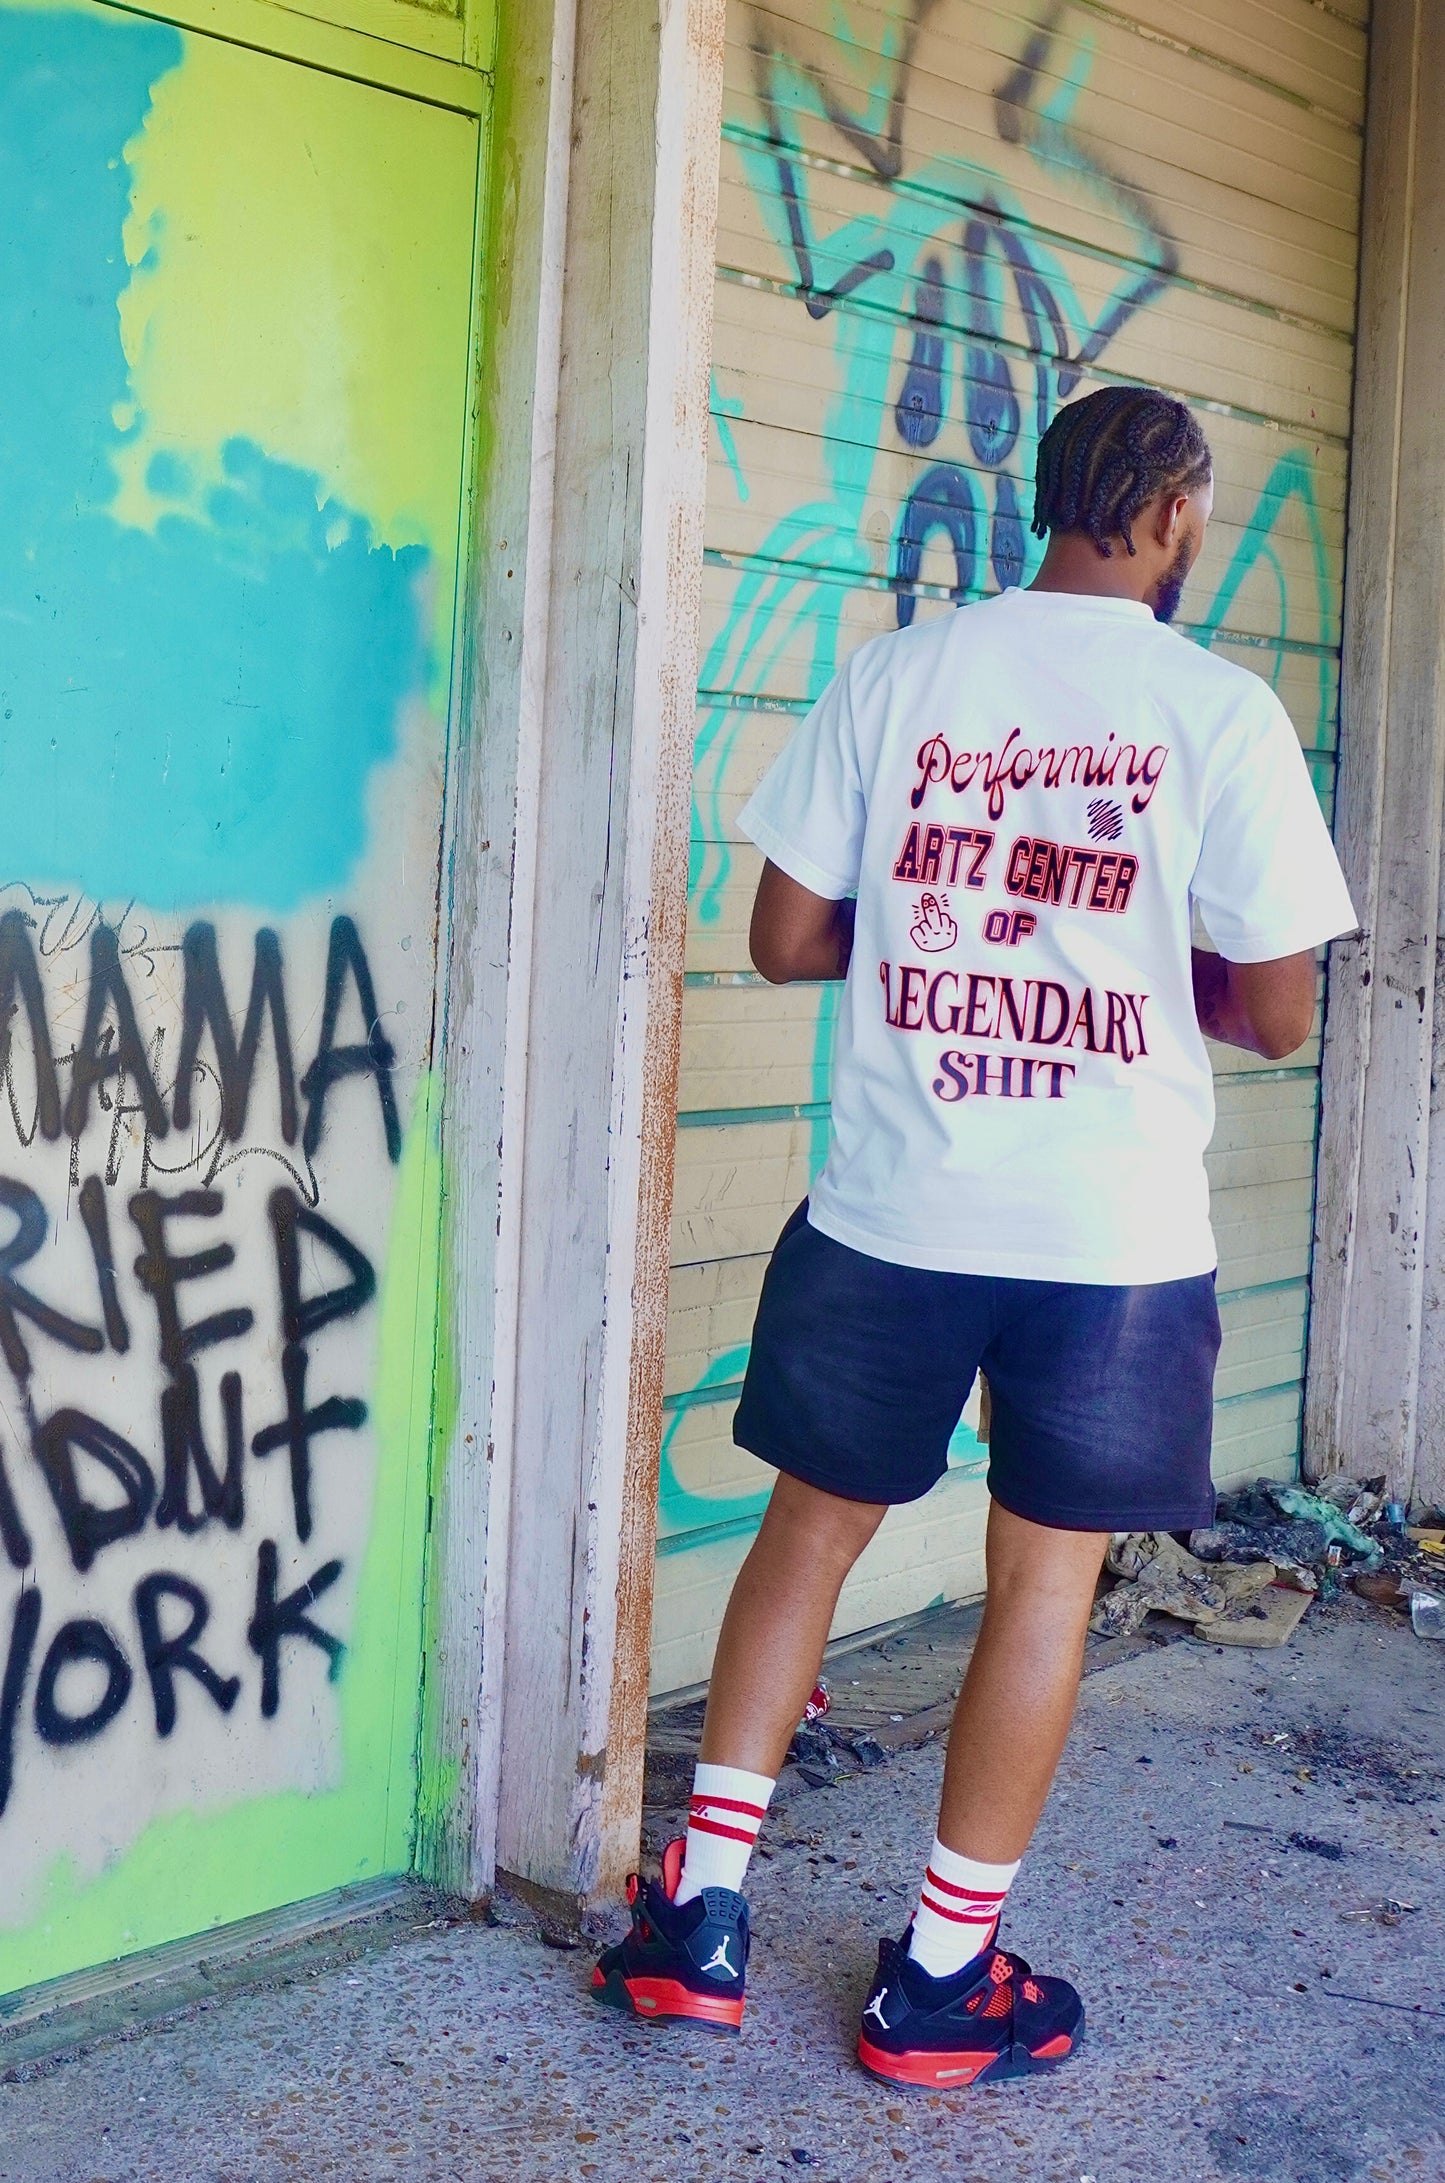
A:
[718,1961]
[875,2006]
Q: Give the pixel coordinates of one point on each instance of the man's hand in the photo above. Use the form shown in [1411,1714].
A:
[1267,1008]
[797,934]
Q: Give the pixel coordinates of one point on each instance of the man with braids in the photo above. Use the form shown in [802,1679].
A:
[997,827]
[1102,463]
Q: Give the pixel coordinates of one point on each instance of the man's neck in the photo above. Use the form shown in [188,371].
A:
[1074,563]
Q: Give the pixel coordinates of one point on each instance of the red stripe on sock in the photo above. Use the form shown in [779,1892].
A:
[712,1826]
[728,1804]
[977,1914]
[974,1894]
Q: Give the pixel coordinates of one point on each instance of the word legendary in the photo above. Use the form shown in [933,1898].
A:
[1037,1012]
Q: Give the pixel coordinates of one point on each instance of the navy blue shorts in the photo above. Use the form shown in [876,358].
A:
[1103,1398]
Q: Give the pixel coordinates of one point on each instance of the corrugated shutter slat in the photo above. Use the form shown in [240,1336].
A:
[1181,180]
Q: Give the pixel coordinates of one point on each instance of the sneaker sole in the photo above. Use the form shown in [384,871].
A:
[658,2000]
[924,2072]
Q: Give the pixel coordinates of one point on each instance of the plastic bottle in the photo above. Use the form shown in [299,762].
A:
[1427,1613]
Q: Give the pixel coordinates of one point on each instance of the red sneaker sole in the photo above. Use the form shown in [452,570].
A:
[922,2072]
[658,1999]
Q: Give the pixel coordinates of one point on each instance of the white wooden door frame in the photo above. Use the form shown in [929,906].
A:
[570,838]
[1375,1393]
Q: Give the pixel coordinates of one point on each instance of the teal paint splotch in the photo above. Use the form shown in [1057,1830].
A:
[679,1508]
[1292,478]
[190,716]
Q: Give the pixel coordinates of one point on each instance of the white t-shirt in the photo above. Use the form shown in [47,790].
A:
[1029,796]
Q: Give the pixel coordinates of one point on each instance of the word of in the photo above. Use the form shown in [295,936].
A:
[1016,765]
[986,1075]
[921,857]
[1041,1012]
[1007,927]
[1042,871]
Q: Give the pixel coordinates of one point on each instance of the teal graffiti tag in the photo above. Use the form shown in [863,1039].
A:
[893,260]
[724,407]
[1292,478]
[681,1513]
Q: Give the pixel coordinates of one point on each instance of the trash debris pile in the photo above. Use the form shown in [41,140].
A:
[1249,1577]
[1409,1574]
[1230,1602]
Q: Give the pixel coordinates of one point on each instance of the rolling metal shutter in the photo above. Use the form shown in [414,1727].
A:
[940,218]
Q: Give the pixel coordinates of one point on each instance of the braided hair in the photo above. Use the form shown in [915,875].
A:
[1106,457]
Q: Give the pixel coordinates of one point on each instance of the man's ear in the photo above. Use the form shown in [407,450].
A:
[1170,517]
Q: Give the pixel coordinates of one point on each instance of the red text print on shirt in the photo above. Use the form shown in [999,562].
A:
[1080,879]
[1033,1011]
[1000,1076]
[933,853]
[1059,765]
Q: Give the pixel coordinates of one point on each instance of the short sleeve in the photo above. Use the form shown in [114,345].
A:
[808,812]
[1268,882]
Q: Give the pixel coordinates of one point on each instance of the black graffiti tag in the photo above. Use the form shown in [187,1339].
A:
[67,1676]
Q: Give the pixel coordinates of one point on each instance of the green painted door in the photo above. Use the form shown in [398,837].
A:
[236,297]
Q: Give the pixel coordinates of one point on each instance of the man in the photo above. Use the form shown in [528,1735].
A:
[1029,799]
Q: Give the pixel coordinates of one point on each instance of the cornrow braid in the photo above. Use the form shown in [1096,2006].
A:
[1106,457]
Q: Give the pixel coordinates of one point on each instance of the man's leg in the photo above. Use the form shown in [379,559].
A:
[769,1652]
[687,1952]
[1017,1701]
[1010,1725]
[776,1626]
[944,2009]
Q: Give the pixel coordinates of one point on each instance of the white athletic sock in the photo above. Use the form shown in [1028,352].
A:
[957,1910]
[722,1825]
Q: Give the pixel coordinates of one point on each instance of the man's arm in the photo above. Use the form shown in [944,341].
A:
[797,934]
[1267,1008]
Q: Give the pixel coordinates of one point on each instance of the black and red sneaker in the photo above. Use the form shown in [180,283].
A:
[992,2019]
[678,1961]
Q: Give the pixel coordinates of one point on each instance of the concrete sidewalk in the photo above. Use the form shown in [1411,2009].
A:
[1214,1871]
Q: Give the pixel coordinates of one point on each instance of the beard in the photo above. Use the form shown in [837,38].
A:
[1171,583]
